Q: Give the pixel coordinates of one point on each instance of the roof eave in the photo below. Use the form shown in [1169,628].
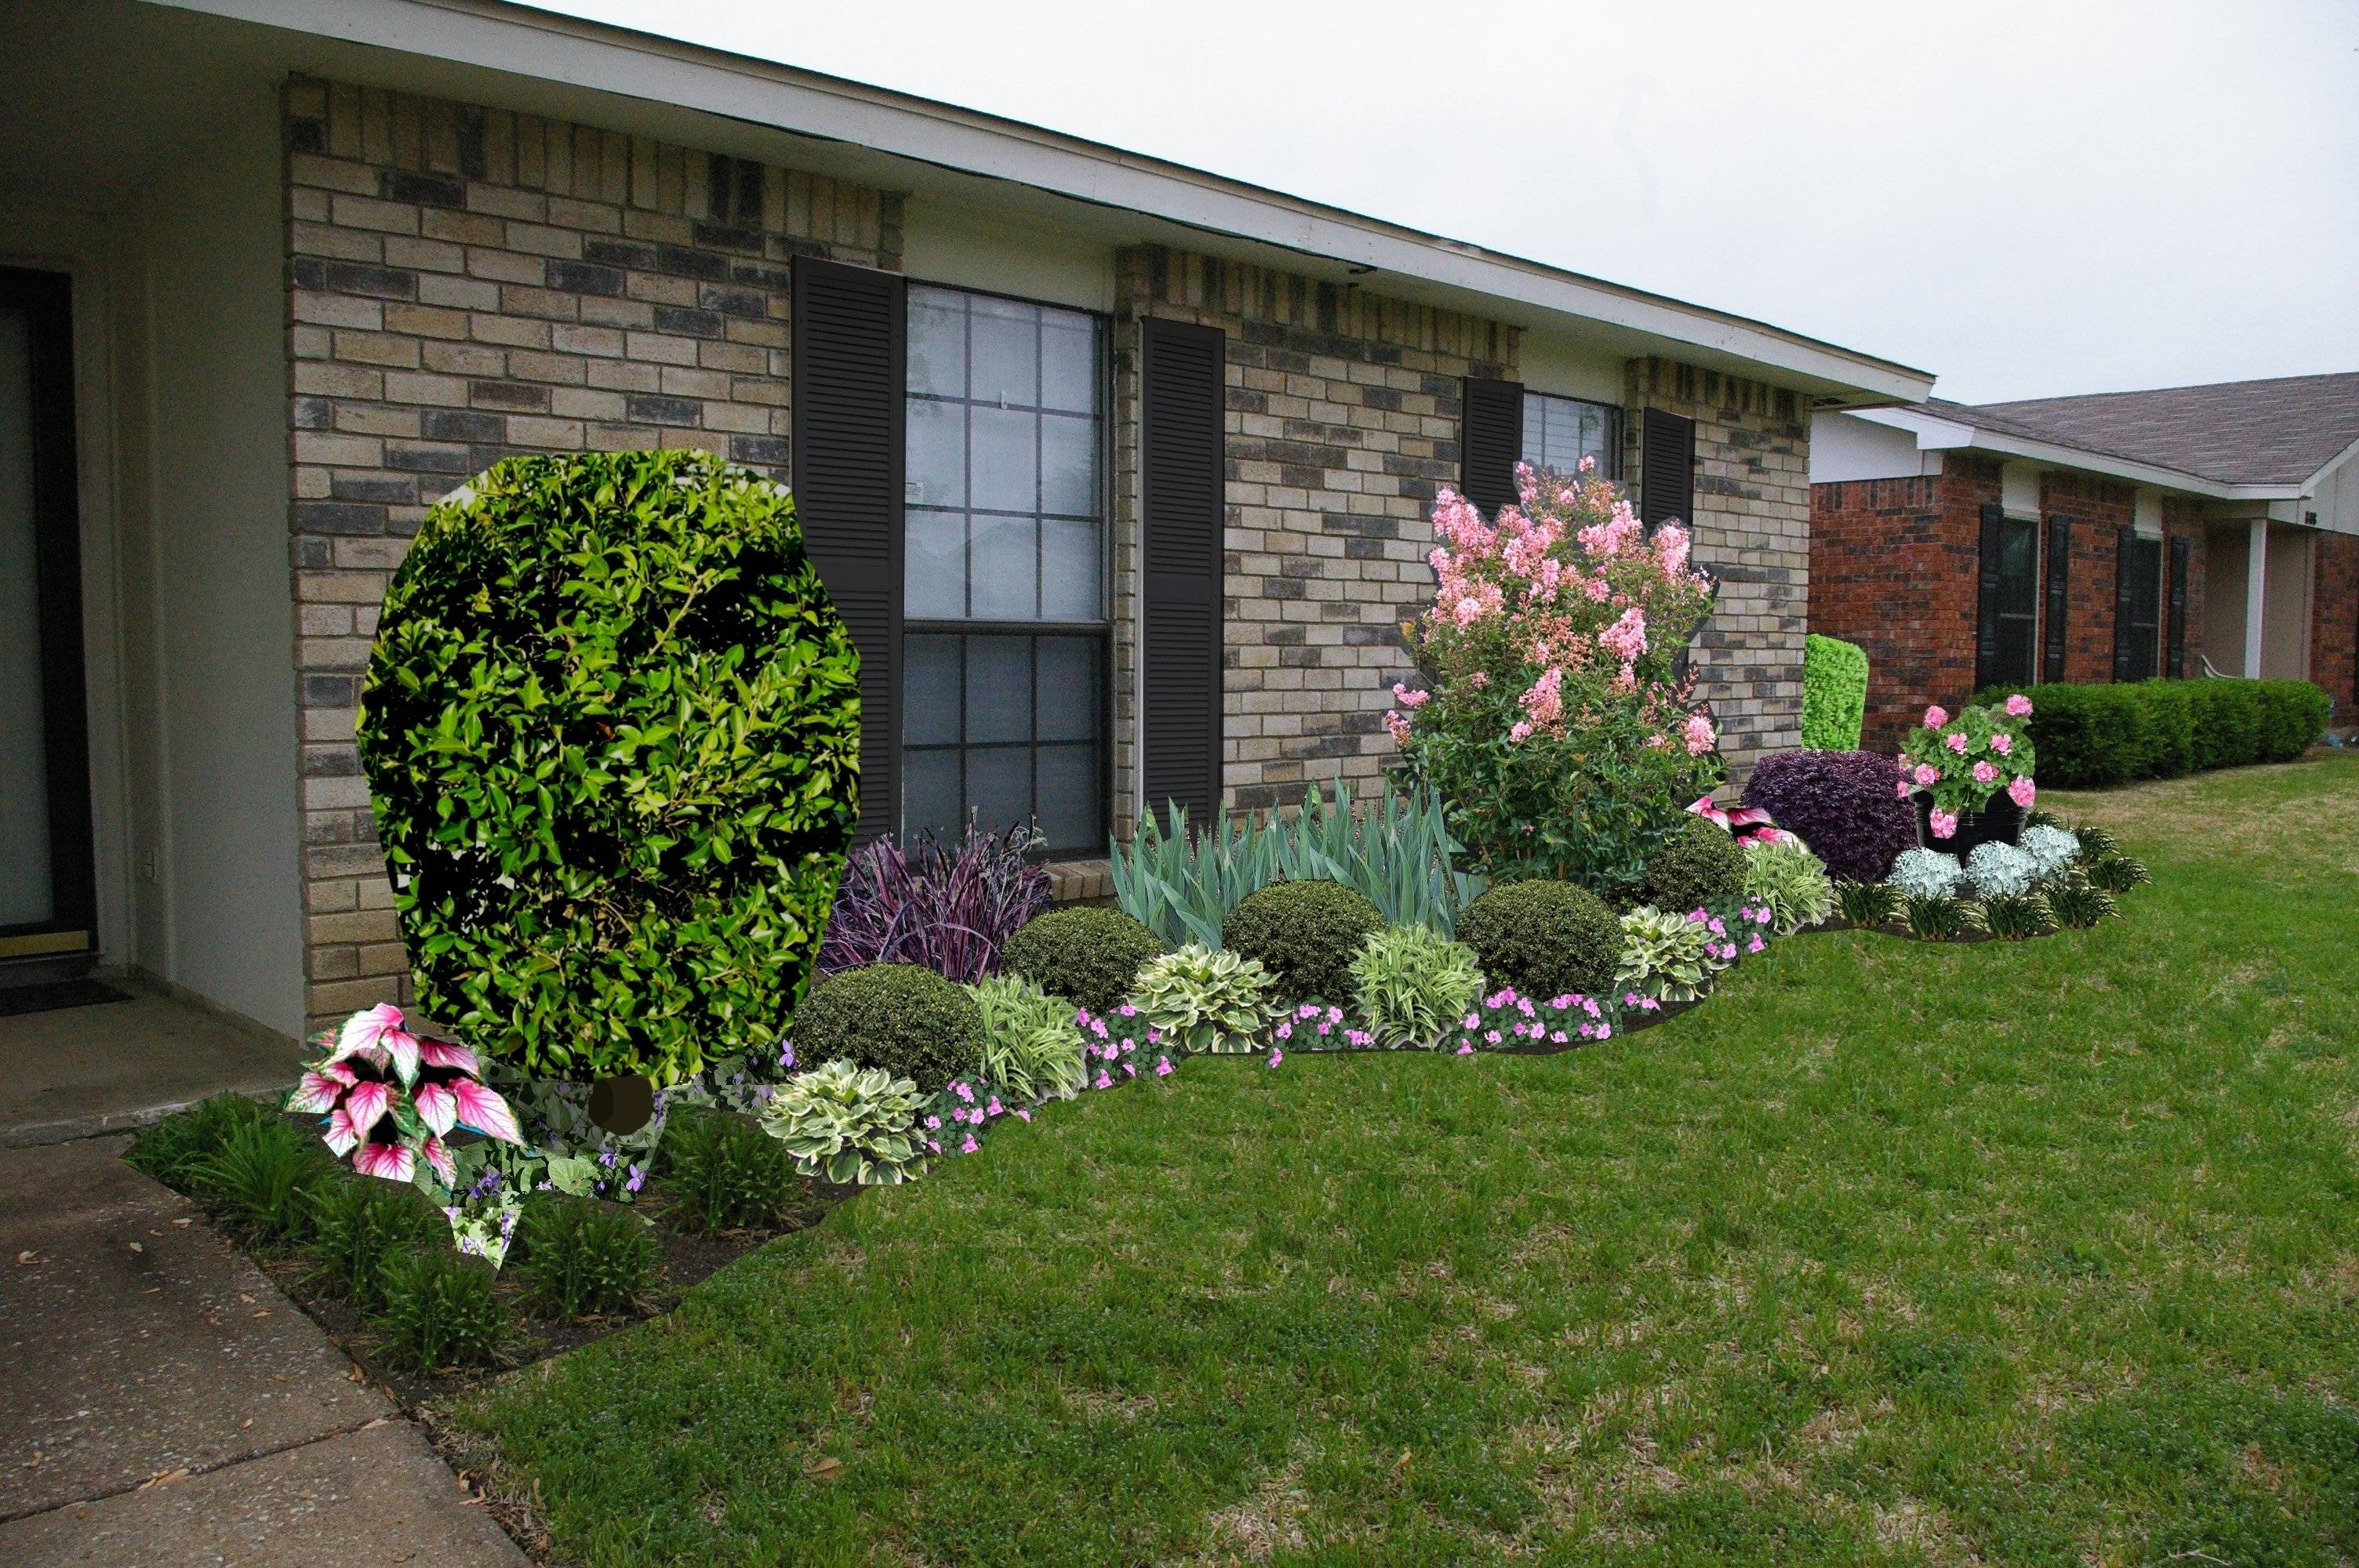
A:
[1935,433]
[497,35]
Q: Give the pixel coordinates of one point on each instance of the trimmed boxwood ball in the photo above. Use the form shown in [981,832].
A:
[1305,934]
[611,727]
[1702,862]
[907,1020]
[1544,938]
[1089,954]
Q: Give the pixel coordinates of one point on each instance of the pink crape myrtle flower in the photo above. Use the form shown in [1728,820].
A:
[1626,638]
[1936,717]
[2022,793]
[2018,707]
[1986,773]
[1408,699]
[1700,737]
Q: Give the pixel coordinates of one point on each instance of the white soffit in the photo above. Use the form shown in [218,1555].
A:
[1935,433]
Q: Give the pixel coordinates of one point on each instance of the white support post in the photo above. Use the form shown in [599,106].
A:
[2256,566]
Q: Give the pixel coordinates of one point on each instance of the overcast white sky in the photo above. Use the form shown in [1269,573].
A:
[2026,199]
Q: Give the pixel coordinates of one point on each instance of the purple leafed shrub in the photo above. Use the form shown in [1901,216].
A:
[948,908]
[1846,805]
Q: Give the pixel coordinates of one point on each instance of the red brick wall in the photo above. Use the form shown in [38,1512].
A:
[2334,623]
[2099,509]
[1893,571]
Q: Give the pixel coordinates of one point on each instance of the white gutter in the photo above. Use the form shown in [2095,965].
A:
[1935,433]
[515,40]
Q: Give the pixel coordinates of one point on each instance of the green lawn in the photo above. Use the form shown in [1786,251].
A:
[2040,1253]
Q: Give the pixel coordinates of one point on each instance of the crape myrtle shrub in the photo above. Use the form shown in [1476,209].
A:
[610,728]
[1844,803]
[2098,735]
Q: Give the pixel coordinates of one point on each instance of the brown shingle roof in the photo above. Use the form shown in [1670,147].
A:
[2279,431]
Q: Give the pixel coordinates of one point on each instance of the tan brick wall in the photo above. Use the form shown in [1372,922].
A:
[1752,527]
[1342,424]
[467,283]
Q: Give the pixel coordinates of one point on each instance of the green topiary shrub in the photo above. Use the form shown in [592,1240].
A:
[578,1255]
[1544,938]
[908,1021]
[610,728]
[440,1312]
[720,1172]
[1702,863]
[1306,935]
[1835,694]
[1091,957]
[360,1225]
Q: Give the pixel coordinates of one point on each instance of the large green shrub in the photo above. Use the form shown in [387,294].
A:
[1701,863]
[1835,693]
[2099,735]
[1306,935]
[610,728]
[910,1021]
[1544,937]
[1090,956]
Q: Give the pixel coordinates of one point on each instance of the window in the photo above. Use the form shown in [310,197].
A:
[2013,647]
[1561,431]
[1005,632]
[2142,572]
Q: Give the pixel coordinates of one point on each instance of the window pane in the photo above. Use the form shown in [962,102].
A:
[998,688]
[935,567]
[999,787]
[929,691]
[1067,796]
[1069,465]
[1006,566]
[1069,361]
[1007,458]
[929,792]
[936,453]
[1068,697]
[1006,337]
[1071,586]
[937,341]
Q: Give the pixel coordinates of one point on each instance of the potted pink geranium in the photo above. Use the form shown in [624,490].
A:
[1970,775]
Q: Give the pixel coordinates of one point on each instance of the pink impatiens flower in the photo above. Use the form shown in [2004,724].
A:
[2022,793]
[2019,705]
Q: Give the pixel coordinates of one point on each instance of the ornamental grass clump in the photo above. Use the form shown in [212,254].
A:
[359,1228]
[850,1125]
[946,906]
[170,1149]
[1867,903]
[578,1256]
[1305,935]
[721,1174]
[1933,918]
[1032,1045]
[1088,955]
[1558,727]
[1961,763]
[263,1182]
[1410,984]
[2078,903]
[905,1020]
[1198,1000]
[2015,917]
[611,727]
[2115,872]
[1543,937]
[1698,865]
[440,1313]
[1783,875]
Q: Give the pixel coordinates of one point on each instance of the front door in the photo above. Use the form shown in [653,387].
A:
[48,906]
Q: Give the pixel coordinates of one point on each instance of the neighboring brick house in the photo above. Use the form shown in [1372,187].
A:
[2116,537]
[1120,472]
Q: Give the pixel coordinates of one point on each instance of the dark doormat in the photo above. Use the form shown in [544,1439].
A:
[16,1000]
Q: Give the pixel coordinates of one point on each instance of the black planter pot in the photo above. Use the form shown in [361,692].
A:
[2000,821]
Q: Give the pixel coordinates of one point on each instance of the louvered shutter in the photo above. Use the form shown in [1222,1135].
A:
[2177,667]
[850,367]
[1986,581]
[2060,572]
[2124,548]
[1491,442]
[1182,505]
[1666,468]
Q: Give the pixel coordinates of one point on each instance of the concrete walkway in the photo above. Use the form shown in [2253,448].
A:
[80,1071]
[164,1405]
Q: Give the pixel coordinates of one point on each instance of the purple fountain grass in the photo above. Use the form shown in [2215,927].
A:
[949,906]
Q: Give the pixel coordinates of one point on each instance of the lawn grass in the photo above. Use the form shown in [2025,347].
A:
[1891,1253]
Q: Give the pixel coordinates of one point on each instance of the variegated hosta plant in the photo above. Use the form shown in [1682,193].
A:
[854,1126]
[1202,1000]
[391,1098]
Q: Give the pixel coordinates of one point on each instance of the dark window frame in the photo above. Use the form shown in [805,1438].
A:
[1100,630]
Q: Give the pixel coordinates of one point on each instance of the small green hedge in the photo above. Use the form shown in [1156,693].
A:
[2095,736]
[1835,694]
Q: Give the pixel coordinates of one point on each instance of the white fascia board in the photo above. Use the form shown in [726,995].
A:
[516,40]
[1937,434]
[2312,486]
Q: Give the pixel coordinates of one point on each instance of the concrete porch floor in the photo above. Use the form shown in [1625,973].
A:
[81,1071]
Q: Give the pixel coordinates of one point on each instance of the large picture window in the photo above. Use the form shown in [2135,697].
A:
[1005,602]
[2012,652]
[1561,431]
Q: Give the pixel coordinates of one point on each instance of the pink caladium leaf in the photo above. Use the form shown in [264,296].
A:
[442,1054]
[402,1046]
[394,1162]
[365,1030]
[486,1111]
[316,1092]
[340,1136]
[437,1107]
[439,1156]
[365,1102]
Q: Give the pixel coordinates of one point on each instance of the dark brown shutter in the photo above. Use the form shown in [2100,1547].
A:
[1986,587]
[1666,468]
[850,368]
[2060,575]
[1182,506]
[2177,667]
[2123,651]
[1491,442]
